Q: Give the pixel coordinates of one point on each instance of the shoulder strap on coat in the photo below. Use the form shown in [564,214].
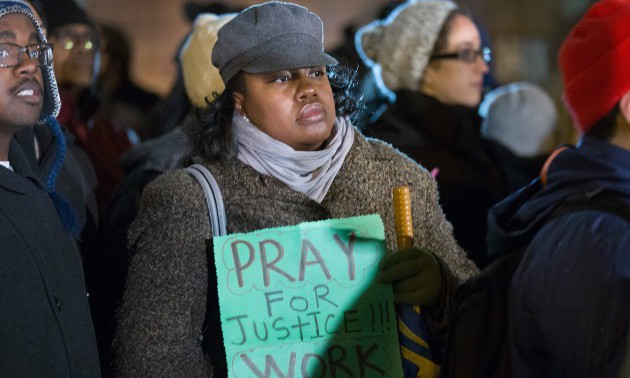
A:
[211,327]
[606,201]
[545,168]
[214,200]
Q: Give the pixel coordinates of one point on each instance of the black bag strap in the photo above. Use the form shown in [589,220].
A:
[603,200]
[606,201]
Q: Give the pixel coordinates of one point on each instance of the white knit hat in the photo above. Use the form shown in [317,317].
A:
[522,117]
[201,77]
[402,43]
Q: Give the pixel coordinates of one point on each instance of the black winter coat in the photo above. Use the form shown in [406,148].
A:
[447,137]
[45,325]
[77,177]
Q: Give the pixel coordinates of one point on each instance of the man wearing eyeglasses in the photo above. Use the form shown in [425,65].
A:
[45,325]
[77,178]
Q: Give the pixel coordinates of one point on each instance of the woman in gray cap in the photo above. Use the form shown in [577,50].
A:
[280,144]
[430,55]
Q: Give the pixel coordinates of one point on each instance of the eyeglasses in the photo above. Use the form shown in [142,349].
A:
[11,54]
[467,55]
[70,40]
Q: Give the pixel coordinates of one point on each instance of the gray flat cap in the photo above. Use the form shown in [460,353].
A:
[270,37]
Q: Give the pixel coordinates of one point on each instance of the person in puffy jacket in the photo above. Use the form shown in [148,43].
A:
[570,296]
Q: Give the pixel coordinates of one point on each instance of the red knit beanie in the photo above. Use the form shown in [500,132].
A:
[595,62]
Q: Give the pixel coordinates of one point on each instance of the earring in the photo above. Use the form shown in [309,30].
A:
[239,110]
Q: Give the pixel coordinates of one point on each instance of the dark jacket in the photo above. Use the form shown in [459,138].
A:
[103,141]
[46,330]
[142,164]
[77,178]
[570,296]
[447,138]
[518,171]
[77,184]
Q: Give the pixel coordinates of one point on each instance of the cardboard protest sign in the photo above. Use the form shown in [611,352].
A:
[303,301]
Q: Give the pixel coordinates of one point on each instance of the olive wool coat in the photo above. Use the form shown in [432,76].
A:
[165,298]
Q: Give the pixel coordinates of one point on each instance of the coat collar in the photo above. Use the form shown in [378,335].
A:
[17,181]
[450,125]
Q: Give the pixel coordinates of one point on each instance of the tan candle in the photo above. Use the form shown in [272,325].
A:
[402,217]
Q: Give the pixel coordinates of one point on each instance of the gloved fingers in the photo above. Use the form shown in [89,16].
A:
[400,271]
[399,257]
[403,264]
[415,283]
[414,298]
[423,285]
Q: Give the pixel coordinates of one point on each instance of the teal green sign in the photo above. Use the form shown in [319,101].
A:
[303,301]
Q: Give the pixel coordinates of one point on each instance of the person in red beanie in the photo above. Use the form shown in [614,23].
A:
[570,295]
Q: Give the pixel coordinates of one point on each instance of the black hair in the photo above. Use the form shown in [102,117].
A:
[604,129]
[210,131]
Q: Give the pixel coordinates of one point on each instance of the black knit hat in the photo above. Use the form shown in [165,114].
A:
[64,12]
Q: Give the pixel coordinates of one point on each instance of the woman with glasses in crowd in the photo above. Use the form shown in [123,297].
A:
[430,55]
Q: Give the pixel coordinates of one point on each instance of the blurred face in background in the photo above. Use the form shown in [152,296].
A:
[75,48]
[454,75]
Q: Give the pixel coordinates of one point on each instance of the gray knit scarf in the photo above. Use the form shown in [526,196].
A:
[308,172]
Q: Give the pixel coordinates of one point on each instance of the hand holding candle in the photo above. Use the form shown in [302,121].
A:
[406,270]
[414,273]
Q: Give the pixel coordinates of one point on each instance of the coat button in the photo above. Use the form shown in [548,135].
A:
[58,303]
